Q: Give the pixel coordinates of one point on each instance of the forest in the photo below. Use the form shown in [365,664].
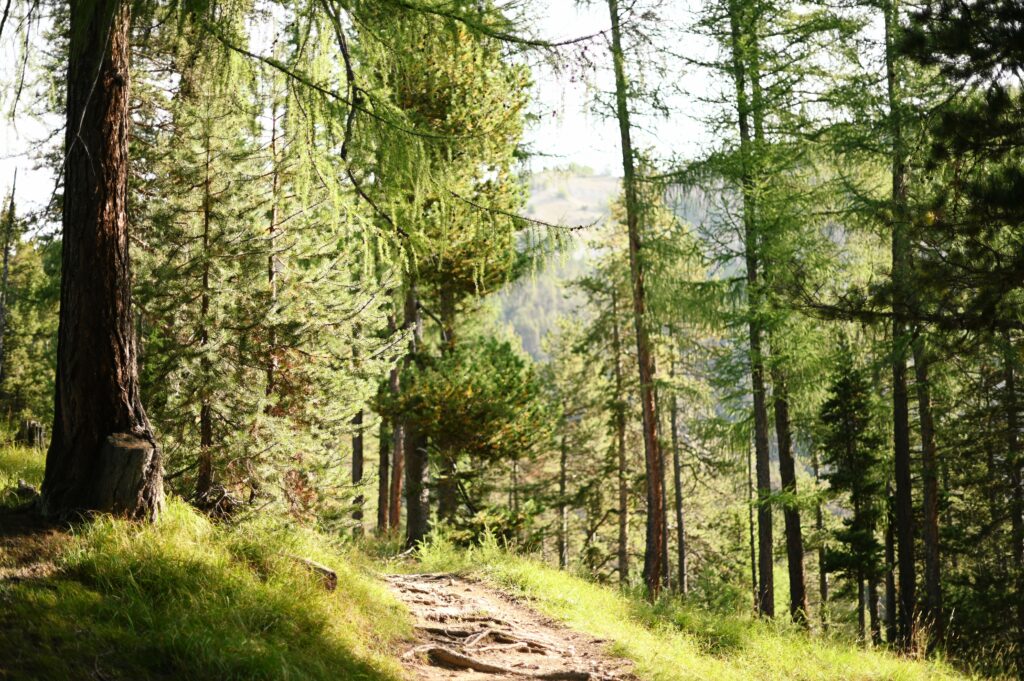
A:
[310,335]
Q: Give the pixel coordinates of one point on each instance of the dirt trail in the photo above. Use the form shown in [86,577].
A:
[471,632]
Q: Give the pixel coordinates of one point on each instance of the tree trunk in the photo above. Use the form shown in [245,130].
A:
[876,630]
[819,526]
[275,186]
[8,241]
[750,520]
[655,543]
[447,479]
[620,434]
[383,470]
[102,456]
[932,614]
[398,443]
[204,478]
[394,489]
[900,272]
[860,608]
[766,579]
[563,508]
[417,497]
[1014,462]
[791,514]
[677,474]
[357,469]
[890,570]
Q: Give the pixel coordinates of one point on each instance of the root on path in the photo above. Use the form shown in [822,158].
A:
[470,631]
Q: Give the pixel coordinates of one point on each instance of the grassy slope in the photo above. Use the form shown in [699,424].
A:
[671,642]
[186,599]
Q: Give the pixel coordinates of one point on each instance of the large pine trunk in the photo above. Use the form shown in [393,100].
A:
[654,549]
[103,456]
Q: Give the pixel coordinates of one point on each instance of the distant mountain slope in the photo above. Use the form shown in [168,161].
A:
[573,196]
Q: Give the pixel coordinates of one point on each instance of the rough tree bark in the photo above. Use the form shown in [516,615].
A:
[654,549]
[103,456]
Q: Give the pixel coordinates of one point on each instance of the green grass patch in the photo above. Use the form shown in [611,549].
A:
[189,599]
[669,641]
[18,463]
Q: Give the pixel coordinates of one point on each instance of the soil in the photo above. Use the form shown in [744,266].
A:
[469,631]
[29,545]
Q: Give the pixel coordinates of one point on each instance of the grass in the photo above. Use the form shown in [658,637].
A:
[18,463]
[668,641]
[188,599]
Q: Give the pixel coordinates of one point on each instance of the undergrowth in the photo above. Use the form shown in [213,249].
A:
[669,641]
[189,599]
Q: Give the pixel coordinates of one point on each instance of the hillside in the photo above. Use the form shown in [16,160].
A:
[572,196]
[191,599]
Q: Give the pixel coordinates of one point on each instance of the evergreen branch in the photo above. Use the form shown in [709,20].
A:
[483,29]
[356,97]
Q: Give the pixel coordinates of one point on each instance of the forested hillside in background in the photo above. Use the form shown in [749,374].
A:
[297,269]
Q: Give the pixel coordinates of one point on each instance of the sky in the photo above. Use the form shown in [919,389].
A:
[567,130]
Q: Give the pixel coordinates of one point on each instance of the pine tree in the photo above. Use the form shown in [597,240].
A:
[850,449]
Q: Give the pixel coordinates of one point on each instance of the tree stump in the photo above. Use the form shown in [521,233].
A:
[31,434]
[124,480]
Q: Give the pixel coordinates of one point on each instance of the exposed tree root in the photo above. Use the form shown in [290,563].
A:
[451,658]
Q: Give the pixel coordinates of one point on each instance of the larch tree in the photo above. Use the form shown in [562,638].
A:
[656,535]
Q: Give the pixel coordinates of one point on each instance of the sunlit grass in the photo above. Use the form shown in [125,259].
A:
[669,641]
[188,599]
[18,463]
